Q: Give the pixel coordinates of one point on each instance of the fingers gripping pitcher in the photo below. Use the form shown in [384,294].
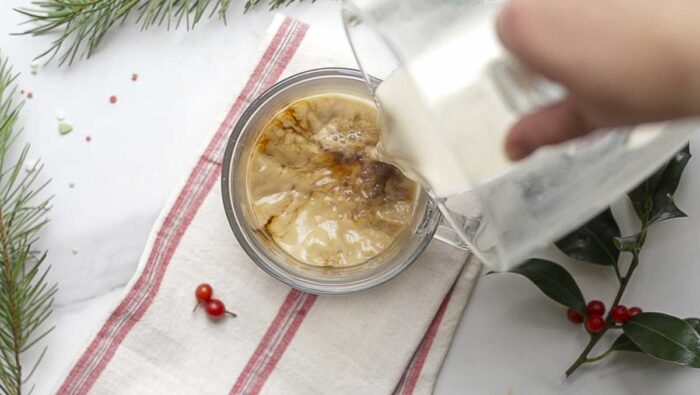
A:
[449,95]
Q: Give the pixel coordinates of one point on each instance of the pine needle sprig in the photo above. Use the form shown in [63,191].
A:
[82,25]
[272,4]
[25,297]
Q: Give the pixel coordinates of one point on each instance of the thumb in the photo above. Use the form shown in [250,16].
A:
[550,125]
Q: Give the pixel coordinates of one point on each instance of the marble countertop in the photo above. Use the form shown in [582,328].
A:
[510,341]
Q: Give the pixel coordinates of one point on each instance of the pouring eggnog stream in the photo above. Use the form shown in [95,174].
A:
[411,140]
[443,120]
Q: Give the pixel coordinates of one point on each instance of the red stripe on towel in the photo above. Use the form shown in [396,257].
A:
[105,344]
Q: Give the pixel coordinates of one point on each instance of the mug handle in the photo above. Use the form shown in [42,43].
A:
[446,230]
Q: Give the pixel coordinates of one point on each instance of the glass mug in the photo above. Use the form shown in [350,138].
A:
[400,254]
[451,76]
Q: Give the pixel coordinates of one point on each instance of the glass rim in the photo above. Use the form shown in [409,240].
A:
[427,222]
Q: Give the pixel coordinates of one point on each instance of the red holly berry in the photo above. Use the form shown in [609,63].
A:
[595,307]
[30,95]
[113,99]
[574,316]
[595,323]
[134,77]
[203,292]
[620,314]
[632,311]
[215,308]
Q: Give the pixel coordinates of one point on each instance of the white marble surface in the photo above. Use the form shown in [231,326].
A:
[510,341]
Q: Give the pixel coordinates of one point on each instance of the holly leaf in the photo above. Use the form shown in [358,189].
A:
[665,337]
[649,196]
[623,343]
[695,323]
[667,210]
[668,183]
[642,196]
[593,242]
[554,281]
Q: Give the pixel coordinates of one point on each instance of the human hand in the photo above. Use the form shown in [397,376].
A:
[622,62]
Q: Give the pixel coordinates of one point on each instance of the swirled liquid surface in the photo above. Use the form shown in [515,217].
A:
[316,189]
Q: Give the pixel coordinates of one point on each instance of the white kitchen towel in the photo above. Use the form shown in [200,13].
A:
[390,339]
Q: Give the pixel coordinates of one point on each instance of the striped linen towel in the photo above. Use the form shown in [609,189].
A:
[390,339]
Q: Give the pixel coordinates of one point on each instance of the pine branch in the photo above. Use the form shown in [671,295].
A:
[25,297]
[82,25]
[272,4]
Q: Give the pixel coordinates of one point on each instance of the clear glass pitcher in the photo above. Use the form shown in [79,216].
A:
[449,96]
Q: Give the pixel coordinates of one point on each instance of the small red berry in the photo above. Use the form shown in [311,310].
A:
[215,308]
[203,292]
[134,77]
[619,314]
[595,307]
[595,323]
[574,316]
[632,311]
[113,99]
[88,138]
[30,95]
